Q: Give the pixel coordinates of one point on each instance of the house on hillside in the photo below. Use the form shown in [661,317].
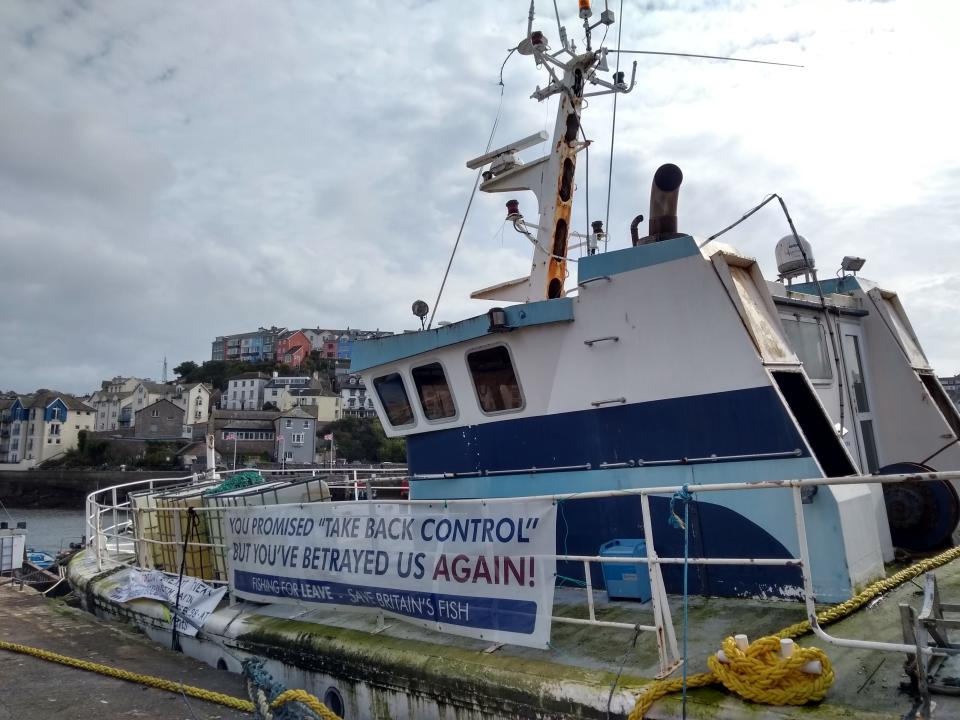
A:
[44,426]
[293,347]
[161,420]
[354,400]
[248,433]
[296,437]
[194,399]
[245,391]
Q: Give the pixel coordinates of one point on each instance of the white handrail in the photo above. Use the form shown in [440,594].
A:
[663,626]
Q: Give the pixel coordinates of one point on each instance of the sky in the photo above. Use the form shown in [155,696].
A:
[174,171]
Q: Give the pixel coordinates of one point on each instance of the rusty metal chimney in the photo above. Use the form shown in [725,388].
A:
[664,197]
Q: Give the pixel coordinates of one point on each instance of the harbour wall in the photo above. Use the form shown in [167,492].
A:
[64,488]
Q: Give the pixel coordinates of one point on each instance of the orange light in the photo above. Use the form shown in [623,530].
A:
[584,4]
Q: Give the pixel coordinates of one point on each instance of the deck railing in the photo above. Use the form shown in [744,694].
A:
[124,542]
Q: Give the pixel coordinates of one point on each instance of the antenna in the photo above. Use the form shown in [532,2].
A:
[164,369]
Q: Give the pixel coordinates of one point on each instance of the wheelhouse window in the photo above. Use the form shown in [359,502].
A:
[495,380]
[809,342]
[434,391]
[393,397]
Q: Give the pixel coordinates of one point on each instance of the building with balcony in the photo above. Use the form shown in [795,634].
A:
[44,426]
[256,346]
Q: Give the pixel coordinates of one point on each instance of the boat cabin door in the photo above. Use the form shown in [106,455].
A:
[861,420]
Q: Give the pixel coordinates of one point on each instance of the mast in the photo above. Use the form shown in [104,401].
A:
[552,177]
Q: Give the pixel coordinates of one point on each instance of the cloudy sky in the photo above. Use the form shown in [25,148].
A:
[171,171]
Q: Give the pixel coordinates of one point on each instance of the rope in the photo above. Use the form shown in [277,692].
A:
[473,192]
[148,680]
[244,479]
[613,129]
[761,675]
[306,699]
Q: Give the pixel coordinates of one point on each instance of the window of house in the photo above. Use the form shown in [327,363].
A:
[297,438]
[289,423]
[154,413]
[55,414]
[393,397]
[54,429]
[809,342]
[494,379]
[289,455]
[306,424]
[434,391]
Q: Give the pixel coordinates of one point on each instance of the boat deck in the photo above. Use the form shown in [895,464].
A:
[576,674]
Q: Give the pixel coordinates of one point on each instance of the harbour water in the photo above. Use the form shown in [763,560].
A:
[47,529]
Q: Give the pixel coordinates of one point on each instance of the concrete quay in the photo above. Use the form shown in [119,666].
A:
[31,688]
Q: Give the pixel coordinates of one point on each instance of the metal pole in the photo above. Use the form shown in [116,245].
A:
[234,451]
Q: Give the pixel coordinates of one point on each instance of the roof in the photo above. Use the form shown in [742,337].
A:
[159,402]
[250,376]
[154,387]
[244,414]
[374,352]
[295,412]
[191,386]
[44,397]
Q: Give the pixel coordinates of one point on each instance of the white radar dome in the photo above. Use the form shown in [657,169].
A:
[790,257]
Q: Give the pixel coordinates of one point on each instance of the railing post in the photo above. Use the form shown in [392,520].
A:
[666,636]
[99,538]
[589,580]
[116,522]
[178,547]
[143,557]
[805,573]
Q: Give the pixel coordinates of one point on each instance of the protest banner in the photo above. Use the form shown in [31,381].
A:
[481,569]
[197,600]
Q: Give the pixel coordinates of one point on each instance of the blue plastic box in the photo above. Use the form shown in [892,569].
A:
[626,581]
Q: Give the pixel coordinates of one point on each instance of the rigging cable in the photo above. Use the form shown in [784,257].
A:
[473,193]
[705,57]
[613,131]
[823,303]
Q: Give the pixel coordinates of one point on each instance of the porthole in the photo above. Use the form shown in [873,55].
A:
[334,700]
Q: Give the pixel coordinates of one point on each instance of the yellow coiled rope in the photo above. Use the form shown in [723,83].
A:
[761,675]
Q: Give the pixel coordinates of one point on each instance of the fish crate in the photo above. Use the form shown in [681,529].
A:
[626,581]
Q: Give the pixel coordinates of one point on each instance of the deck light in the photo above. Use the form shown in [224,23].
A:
[498,319]
[851,263]
[513,210]
[585,11]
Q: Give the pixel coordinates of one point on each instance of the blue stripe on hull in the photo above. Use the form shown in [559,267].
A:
[742,523]
[715,531]
[738,422]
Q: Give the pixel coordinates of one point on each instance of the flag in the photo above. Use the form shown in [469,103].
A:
[230,436]
[328,436]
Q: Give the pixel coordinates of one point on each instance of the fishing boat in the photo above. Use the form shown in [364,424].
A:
[642,434]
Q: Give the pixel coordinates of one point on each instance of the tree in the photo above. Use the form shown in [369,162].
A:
[185,369]
[363,440]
